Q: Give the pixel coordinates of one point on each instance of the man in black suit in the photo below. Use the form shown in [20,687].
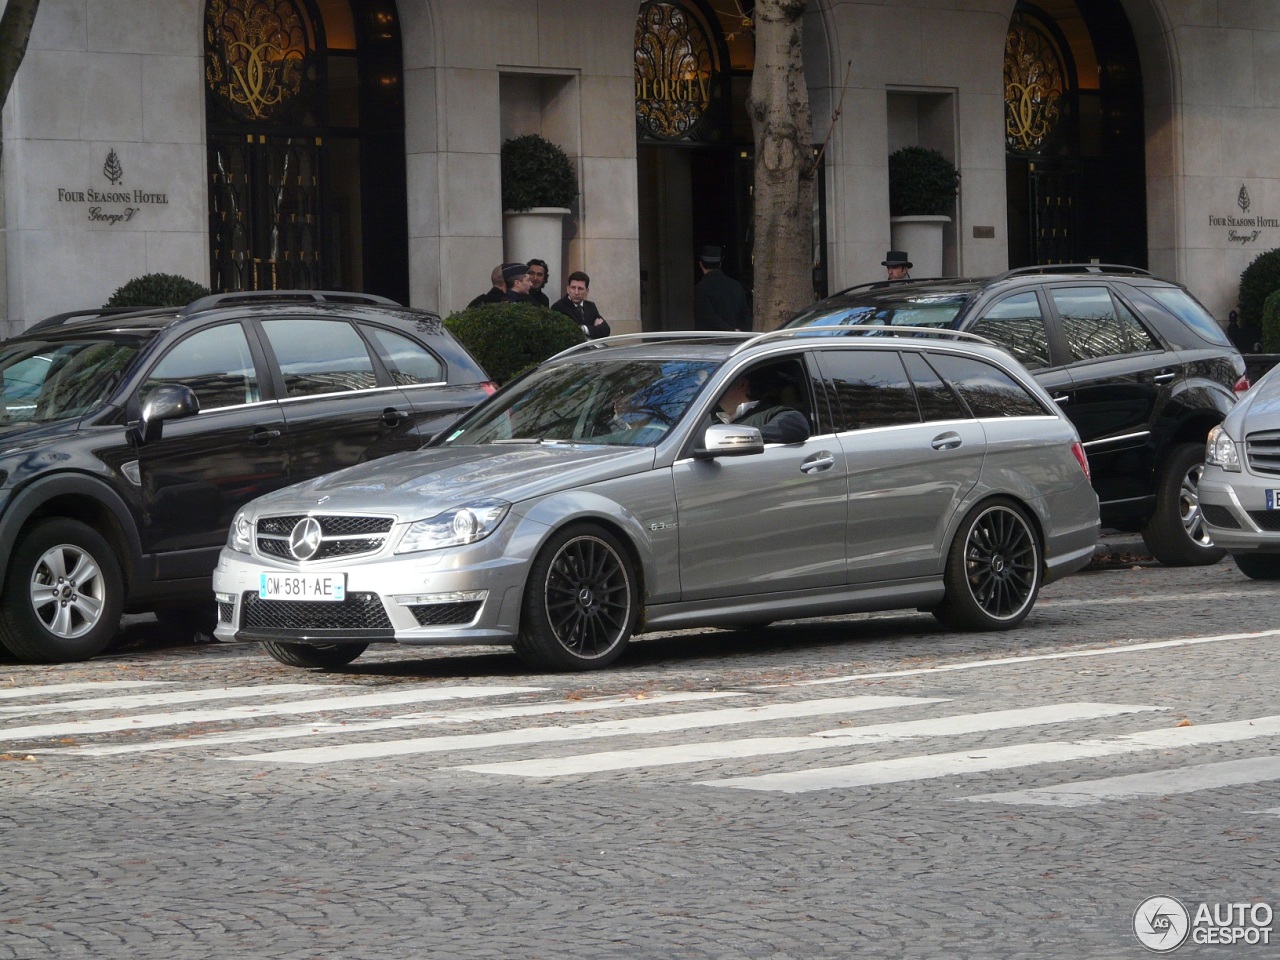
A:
[497,293]
[580,310]
[538,280]
[719,301]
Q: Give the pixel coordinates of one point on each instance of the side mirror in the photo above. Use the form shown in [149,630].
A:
[171,401]
[729,440]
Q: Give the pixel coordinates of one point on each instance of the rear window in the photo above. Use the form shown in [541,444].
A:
[1184,306]
[917,310]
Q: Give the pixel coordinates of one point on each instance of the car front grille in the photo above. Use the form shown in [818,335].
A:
[226,611]
[1219,516]
[1268,520]
[1263,452]
[445,614]
[340,536]
[360,611]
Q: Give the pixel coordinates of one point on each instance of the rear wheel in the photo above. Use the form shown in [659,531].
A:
[63,594]
[993,569]
[580,601]
[1176,534]
[1258,566]
[325,657]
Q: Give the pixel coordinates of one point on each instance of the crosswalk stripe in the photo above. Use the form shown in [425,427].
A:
[73,728]
[826,740]
[978,760]
[168,698]
[1158,783]
[330,728]
[665,723]
[57,689]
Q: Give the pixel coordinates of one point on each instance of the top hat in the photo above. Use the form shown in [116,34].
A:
[896,258]
[710,254]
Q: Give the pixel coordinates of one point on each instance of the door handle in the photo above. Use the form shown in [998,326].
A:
[946,441]
[392,417]
[1061,398]
[1165,376]
[264,435]
[818,462]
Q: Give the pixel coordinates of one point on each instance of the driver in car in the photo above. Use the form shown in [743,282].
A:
[751,400]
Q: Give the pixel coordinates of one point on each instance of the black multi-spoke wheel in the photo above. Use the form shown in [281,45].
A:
[579,602]
[993,569]
[324,657]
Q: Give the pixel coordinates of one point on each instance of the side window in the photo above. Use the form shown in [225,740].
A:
[410,362]
[1096,326]
[871,389]
[937,400]
[1017,323]
[320,356]
[989,391]
[215,363]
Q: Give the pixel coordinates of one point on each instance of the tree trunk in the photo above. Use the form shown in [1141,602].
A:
[15,31]
[784,171]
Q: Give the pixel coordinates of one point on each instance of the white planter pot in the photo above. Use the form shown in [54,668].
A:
[921,238]
[538,232]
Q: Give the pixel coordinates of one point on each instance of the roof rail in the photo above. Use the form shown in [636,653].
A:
[1099,268]
[626,339]
[867,329]
[75,316]
[285,296]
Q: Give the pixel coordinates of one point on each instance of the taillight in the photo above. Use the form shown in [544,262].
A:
[1241,386]
[1081,458]
[489,387]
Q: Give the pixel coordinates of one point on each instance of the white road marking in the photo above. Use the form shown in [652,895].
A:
[978,760]
[168,698]
[826,740]
[1159,783]
[74,728]
[56,689]
[357,726]
[604,728]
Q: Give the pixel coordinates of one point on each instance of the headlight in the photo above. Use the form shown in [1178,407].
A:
[453,528]
[241,535]
[1220,450]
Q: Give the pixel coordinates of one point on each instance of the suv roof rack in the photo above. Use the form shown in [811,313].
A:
[75,316]
[1100,268]
[284,296]
[861,329]
[626,339]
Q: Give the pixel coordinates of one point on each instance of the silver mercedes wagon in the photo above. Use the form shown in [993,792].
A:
[661,481]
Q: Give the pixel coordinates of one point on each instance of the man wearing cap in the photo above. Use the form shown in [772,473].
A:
[896,262]
[497,293]
[516,277]
[719,301]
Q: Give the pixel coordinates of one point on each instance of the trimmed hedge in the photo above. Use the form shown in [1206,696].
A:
[1260,278]
[922,182]
[1271,323]
[536,173]
[509,338]
[157,290]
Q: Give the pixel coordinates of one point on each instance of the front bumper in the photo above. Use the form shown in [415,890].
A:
[1235,510]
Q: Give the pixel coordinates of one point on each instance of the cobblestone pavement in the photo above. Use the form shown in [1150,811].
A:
[863,786]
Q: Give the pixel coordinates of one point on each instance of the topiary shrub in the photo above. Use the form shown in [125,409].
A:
[1259,280]
[509,338]
[536,173]
[1271,323]
[922,182]
[157,290]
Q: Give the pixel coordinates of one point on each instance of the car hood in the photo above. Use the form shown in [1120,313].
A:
[424,482]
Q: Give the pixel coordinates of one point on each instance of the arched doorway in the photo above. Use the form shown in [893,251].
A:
[305,131]
[1074,135]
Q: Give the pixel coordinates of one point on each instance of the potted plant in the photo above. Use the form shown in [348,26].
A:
[922,196]
[539,185]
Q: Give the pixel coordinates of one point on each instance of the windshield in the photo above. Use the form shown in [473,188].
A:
[912,310]
[630,403]
[47,380]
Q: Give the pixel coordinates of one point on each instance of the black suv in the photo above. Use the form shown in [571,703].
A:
[1137,364]
[129,440]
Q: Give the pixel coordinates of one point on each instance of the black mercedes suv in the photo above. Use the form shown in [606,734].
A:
[1137,364]
[129,440]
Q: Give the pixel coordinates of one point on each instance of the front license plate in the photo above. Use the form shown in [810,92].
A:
[1273,499]
[302,586]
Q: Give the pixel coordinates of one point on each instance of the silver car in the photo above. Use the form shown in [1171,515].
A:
[616,489]
[1240,486]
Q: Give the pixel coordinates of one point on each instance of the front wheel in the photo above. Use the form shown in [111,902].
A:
[1176,534]
[1258,566]
[325,657]
[63,594]
[993,569]
[580,601]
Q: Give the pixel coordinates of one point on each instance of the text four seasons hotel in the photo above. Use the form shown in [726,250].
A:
[354,144]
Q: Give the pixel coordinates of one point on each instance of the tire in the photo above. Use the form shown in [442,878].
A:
[580,601]
[325,657]
[1176,534]
[994,569]
[1258,566]
[197,618]
[63,594]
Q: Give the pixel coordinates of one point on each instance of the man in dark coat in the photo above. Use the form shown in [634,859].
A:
[745,403]
[538,280]
[580,310]
[497,293]
[719,301]
[516,277]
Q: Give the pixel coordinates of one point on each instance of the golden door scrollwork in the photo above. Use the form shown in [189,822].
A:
[259,56]
[1034,86]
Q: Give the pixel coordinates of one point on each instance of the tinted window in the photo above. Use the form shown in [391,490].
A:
[917,310]
[215,363]
[937,400]
[871,389]
[1183,306]
[989,391]
[1017,323]
[52,379]
[410,362]
[1096,326]
[320,356]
